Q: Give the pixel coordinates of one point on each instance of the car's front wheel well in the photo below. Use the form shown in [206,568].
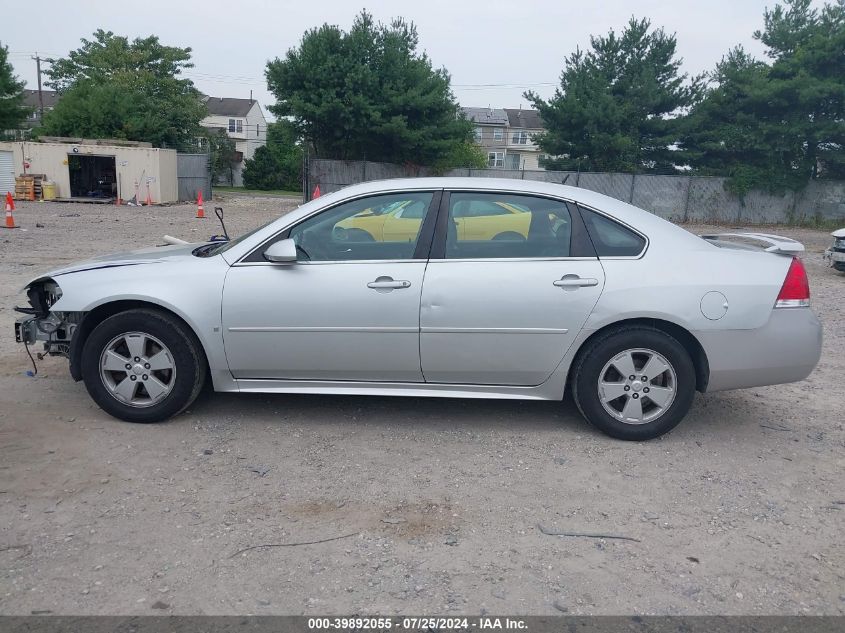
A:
[102,312]
[683,336]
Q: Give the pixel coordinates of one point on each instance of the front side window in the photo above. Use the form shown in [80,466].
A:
[239,126]
[498,133]
[374,228]
[520,137]
[495,159]
[610,238]
[502,226]
[231,125]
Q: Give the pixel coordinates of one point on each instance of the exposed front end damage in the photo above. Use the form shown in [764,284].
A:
[835,255]
[54,329]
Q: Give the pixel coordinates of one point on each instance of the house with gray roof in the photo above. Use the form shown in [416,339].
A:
[242,120]
[490,133]
[522,150]
[33,114]
[507,136]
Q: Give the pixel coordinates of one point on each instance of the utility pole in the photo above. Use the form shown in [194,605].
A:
[40,94]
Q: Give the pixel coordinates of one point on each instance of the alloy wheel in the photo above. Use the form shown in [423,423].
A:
[137,369]
[637,386]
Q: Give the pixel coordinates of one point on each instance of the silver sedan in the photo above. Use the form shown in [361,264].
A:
[446,287]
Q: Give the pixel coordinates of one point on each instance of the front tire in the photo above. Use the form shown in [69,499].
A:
[634,383]
[143,366]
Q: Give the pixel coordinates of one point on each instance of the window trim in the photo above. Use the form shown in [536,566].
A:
[580,237]
[495,159]
[438,214]
[640,255]
[520,137]
[422,250]
[231,126]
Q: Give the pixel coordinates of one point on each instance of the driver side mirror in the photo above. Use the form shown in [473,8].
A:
[281,252]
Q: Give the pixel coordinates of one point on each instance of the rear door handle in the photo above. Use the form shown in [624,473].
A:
[388,283]
[574,281]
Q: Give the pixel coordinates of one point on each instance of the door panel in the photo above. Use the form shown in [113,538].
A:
[502,322]
[348,310]
[323,322]
[504,311]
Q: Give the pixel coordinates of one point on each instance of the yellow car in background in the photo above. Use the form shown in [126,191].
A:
[397,222]
[400,222]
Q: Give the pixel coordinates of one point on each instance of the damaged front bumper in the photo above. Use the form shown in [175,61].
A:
[834,255]
[54,329]
[835,258]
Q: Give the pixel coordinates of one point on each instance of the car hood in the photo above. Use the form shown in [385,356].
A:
[144,256]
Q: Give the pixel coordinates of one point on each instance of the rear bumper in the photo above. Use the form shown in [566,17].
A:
[786,349]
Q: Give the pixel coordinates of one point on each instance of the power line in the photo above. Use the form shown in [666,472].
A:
[505,85]
[251,79]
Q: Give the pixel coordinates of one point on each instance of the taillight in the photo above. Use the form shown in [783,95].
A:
[795,292]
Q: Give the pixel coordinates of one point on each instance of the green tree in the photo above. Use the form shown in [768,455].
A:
[807,81]
[114,88]
[223,156]
[774,126]
[616,107]
[466,154]
[12,110]
[727,134]
[368,94]
[278,164]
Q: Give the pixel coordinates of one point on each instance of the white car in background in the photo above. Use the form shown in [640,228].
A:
[629,312]
[835,255]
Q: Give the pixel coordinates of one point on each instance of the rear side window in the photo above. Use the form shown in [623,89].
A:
[610,238]
[506,226]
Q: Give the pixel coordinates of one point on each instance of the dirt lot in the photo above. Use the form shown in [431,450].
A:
[738,511]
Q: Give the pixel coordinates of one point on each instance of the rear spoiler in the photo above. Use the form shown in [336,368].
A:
[776,243]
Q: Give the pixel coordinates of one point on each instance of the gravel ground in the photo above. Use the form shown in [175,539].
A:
[437,502]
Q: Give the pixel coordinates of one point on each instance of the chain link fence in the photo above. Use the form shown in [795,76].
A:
[676,198]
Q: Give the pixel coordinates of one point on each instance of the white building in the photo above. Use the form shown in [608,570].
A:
[243,121]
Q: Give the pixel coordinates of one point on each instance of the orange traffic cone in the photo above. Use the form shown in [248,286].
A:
[316,193]
[10,206]
[200,210]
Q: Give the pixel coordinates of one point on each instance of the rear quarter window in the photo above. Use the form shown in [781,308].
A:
[610,238]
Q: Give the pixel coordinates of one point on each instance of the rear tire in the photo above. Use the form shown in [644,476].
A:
[634,408]
[143,366]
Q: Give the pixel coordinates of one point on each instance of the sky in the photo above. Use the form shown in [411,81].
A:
[494,50]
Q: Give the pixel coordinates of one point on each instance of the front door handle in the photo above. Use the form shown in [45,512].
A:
[574,281]
[386,284]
